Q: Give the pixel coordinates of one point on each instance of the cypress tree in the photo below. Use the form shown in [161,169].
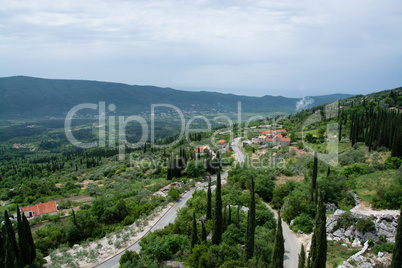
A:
[194,235]
[279,246]
[314,180]
[217,230]
[237,217]
[22,242]
[209,200]
[302,257]
[397,253]
[249,241]
[203,232]
[318,250]
[2,252]
[224,217]
[10,243]
[229,217]
[29,238]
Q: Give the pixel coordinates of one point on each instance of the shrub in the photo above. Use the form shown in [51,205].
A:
[384,247]
[365,225]
[303,223]
[393,162]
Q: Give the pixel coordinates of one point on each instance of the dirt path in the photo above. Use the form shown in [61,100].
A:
[366,209]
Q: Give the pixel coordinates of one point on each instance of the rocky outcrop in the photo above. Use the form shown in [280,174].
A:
[384,228]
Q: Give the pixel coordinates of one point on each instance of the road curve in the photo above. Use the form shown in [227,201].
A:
[168,217]
[292,244]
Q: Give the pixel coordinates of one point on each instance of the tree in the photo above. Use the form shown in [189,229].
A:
[2,252]
[218,225]
[194,235]
[209,200]
[23,245]
[29,238]
[203,232]
[279,246]
[10,243]
[237,216]
[302,257]
[250,232]
[314,180]
[229,217]
[397,253]
[318,252]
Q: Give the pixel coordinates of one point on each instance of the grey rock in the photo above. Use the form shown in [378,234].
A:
[387,217]
[339,233]
[368,235]
[330,207]
[349,232]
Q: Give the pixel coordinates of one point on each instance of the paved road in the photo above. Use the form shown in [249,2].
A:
[292,244]
[236,149]
[169,217]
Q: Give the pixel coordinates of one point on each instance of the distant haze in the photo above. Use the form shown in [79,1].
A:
[289,48]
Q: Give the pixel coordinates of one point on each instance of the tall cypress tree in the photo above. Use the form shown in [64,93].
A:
[194,234]
[2,252]
[209,200]
[10,244]
[229,217]
[397,253]
[237,216]
[279,246]
[203,232]
[313,197]
[318,250]
[29,238]
[22,242]
[302,257]
[217,230]
[224,217]
[249,241]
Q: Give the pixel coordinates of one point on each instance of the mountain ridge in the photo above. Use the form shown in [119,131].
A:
[23,96]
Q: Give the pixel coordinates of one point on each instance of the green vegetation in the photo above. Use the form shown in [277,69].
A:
[19,254]
[397,252]
[279,247]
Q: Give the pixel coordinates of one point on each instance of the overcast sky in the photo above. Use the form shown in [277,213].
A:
[291,48]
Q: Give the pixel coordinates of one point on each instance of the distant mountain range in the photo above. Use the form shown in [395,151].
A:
[27,97]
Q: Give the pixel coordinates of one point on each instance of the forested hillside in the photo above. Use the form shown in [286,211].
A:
[27,97]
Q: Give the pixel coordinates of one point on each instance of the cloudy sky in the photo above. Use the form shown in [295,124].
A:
[291,48]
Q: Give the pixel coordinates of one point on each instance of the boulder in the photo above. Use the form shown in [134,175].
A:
[330,207]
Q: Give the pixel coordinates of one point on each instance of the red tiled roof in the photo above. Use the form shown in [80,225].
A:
[228,151]
[221,141]
[279,136]
[280,130]
[285,139]
[42,208]
[268,139]
[267,132]
[202,148]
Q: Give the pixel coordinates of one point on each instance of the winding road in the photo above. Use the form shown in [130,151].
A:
[292,245]
[168,217]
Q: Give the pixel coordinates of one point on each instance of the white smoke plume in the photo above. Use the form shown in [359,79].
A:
[304,103]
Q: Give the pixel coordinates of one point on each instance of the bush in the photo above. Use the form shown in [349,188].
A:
[264,187]
[355,169]
[384,247]
[365,225]
[352,157]
[303,223]
[393,162]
